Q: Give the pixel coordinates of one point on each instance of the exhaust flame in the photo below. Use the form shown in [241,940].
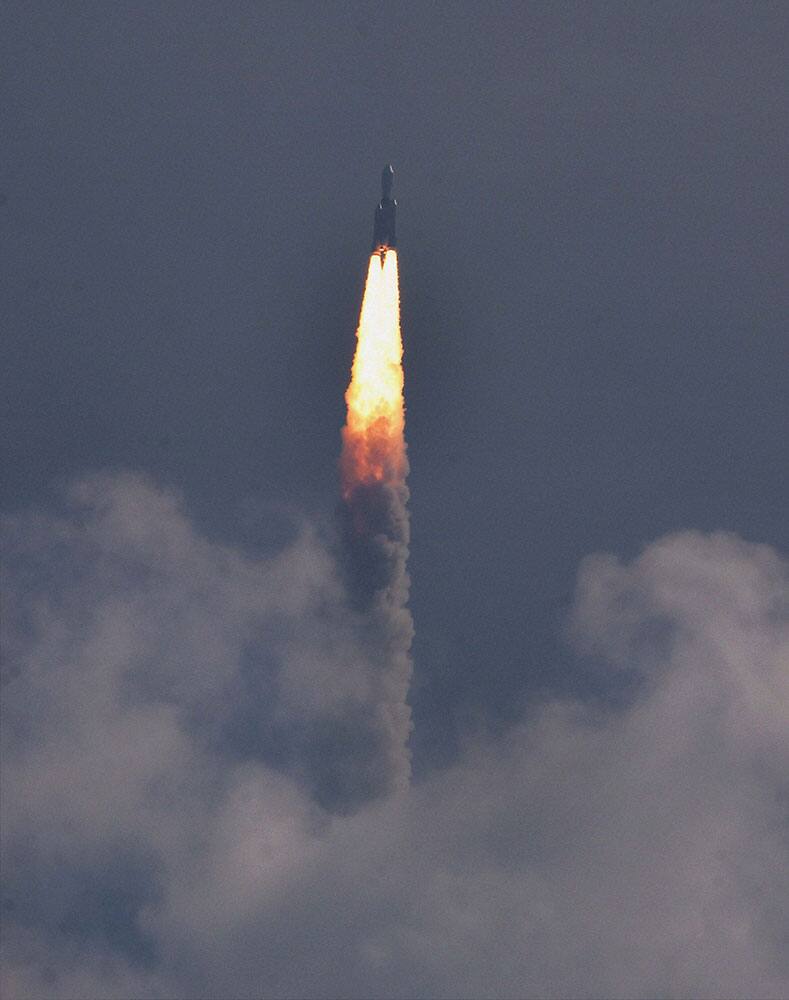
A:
[373,437]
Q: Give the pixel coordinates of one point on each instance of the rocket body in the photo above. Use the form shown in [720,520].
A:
[384,225]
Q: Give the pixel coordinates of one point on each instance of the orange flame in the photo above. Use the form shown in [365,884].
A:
[373,436]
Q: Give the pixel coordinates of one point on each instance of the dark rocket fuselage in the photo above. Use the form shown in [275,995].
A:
[384,226]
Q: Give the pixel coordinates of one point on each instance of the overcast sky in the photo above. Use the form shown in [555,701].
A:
[592,232]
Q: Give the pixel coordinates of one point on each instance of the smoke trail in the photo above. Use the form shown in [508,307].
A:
[375,534]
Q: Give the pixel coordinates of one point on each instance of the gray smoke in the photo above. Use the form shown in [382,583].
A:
[161,836]
[373,549]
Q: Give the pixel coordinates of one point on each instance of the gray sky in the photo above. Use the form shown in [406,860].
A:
[592,229]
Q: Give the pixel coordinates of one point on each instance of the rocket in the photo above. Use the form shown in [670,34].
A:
[384,225]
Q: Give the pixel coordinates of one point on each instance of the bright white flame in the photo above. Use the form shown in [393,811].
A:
[374,446]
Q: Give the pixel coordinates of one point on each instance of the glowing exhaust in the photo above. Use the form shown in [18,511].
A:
[373,437]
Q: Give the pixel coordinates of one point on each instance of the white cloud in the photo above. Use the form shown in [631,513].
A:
[637,852]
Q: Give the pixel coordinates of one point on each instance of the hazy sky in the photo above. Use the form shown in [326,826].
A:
[592,232]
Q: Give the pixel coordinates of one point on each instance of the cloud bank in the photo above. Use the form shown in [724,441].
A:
[183,722]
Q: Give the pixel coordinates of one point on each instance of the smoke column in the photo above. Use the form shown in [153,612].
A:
[374,526]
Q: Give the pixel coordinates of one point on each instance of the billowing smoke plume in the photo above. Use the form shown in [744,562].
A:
[153,845]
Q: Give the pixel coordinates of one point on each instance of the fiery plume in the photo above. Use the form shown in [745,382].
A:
[373,437]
